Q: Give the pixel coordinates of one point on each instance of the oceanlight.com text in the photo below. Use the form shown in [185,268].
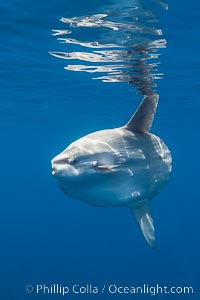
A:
[81,289]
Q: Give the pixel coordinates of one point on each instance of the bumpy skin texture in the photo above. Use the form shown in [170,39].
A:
[113,167]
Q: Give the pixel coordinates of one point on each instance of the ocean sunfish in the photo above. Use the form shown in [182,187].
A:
[124,166]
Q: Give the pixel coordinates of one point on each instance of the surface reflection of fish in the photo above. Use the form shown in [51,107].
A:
[123,166]
[118,41]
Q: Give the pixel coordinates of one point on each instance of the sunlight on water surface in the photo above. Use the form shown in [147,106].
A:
[119,42]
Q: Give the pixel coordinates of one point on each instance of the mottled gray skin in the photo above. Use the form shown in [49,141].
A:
[124,166]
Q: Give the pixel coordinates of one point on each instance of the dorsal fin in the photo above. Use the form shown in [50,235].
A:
[142,119]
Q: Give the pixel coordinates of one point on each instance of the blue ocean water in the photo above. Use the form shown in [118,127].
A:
[48,238]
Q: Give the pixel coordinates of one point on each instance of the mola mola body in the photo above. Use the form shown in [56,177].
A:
[124,166]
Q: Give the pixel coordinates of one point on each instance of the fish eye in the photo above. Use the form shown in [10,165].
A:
[95,163]
[72,160]
[69,160]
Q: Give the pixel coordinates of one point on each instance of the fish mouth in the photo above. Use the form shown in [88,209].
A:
[53,171]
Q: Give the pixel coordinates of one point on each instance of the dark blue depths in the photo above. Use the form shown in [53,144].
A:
[47,238]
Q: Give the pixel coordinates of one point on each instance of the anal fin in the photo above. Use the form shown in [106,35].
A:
[142,214]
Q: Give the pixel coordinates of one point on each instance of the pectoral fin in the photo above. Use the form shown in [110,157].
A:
[103,168]
[142,214]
